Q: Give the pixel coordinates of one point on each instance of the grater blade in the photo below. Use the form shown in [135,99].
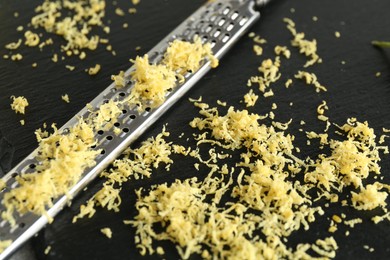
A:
[220,22]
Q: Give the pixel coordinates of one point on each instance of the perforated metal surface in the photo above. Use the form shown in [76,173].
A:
[220,23]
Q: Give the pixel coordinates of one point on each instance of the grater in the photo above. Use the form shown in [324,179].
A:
[220,23]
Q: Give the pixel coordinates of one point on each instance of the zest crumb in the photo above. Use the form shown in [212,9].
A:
[258,50]
[315,18]
[31,39]
[282,50]
[221,103]
[269,93]
[336,219]
[337,34]
[310,79]
[107,232]
[94,70]
[119,12]
[250,98]
[288,83]
[65,98]
[13,45]
[332,229]
[370,249]
[47,250]
[306,47]
[55,57]
[119,79]
[19,104]
[259,40]
[321,110]
[16,57]
[22,122]
[160,250]
[378,74]
[82,55]
[70,67]
[132,10]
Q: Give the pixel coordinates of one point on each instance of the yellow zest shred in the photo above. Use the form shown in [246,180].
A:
[310,79]
[4,244]
[19,104]
[250,98]
[308,48]
[282,50]
[65,98]
[107,232]
[63,159]
[94,70]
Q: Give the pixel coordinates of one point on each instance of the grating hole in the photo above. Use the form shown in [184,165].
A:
[154,56]
[22,225]
[100,132]
[217,33]
[124,111]
[113,90]
[126,130]
[208,29]
[103,151]
[32,166]
[200,24]
[14,175]
[187,32]
[65,131]
[132,116]
[221,22]
[226,38]
[234,16]
[213,42]
[109,137]
[230,27]
[14,185]
[204,39]
[243,21]
[117,124]
[122,94]
[93,146]
[105,101]
[147,109]
[226,11]
[213,17]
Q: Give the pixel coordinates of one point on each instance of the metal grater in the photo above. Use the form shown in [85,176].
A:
[220,22]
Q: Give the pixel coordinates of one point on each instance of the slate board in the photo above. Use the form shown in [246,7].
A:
[353,91]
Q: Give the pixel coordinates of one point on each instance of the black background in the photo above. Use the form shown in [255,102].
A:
[353,91]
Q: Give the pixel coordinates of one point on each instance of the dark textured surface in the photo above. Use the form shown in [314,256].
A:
[353,91]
